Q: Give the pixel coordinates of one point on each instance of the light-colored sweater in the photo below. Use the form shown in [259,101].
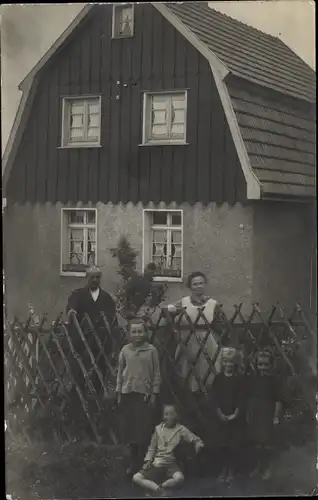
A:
[138,370]
[163,442]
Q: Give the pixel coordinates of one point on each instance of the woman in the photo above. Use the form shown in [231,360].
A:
[189,352]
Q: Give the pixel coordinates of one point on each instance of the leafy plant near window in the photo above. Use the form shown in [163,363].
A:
[138,295]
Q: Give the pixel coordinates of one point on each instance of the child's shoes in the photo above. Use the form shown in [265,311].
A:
[222,477]
[230,477]
[266,475]
[165,493]
[254,473]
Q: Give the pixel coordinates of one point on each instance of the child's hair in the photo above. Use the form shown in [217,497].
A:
[230,353]
[264,353]
[171,405]
[195,274]
[134,320]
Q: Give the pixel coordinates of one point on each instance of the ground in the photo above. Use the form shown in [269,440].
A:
[81,470]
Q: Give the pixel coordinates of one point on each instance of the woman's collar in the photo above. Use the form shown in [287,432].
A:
[199,301]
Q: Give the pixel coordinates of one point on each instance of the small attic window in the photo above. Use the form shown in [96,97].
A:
[123,20]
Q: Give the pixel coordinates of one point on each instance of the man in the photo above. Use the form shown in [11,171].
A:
[93,300]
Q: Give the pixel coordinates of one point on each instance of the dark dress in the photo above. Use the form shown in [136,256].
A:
[136,419]
[262,394]
[227,394]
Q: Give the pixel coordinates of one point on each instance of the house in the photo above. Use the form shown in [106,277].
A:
[179,127]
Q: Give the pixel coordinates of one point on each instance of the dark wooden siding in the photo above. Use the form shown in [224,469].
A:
[156,58]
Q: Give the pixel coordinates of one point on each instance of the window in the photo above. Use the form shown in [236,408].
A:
[123,20]
[163,244]
[165,118]
[78,240]
[81,121]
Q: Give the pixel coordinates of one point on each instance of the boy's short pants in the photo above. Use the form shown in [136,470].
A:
[159,474]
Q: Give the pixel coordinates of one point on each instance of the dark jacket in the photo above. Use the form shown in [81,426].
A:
[83,303]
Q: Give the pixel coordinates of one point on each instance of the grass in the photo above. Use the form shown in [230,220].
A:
[80,470]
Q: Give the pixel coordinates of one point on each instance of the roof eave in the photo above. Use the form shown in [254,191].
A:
[287,199]
[272,87]
[268,194]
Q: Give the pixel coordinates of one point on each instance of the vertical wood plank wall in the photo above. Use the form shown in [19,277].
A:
[157,57]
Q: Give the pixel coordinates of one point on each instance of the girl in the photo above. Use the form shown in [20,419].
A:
[160,471]
[263,412]
[228,405]
[138,384]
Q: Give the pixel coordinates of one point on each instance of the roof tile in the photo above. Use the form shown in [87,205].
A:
[283,177]
[279,139]
[248,52]
[291,190]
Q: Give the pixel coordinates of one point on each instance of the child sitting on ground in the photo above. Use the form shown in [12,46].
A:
[138,385]
[160,471]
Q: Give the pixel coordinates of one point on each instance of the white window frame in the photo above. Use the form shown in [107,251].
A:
[147,243]
[146,141]
[65,135]
[120,6]
[65,240]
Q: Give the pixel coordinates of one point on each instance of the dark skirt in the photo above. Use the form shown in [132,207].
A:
[260,416]
[137,419]
[228,434]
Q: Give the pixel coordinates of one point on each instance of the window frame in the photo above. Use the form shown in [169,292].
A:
[65,235]
[146,242]
[147,95]
[65,130]
[120,6]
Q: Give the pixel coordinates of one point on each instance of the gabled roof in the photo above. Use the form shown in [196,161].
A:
[269,156]
[275,141]
[248,52]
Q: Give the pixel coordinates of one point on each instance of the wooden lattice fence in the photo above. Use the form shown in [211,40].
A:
[60,381]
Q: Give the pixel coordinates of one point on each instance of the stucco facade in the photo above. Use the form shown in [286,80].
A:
[249,253]
[217,240]
[284,236]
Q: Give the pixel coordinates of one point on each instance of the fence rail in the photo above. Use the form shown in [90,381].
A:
[60,380]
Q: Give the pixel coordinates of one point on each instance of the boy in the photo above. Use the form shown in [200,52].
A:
[160,471]
[138,385]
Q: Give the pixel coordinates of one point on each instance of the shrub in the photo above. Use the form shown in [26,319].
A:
[138,292]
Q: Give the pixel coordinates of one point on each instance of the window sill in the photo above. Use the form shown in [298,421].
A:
[167,279]
[118,37]
[80,146]
[75,274]
[164,143]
